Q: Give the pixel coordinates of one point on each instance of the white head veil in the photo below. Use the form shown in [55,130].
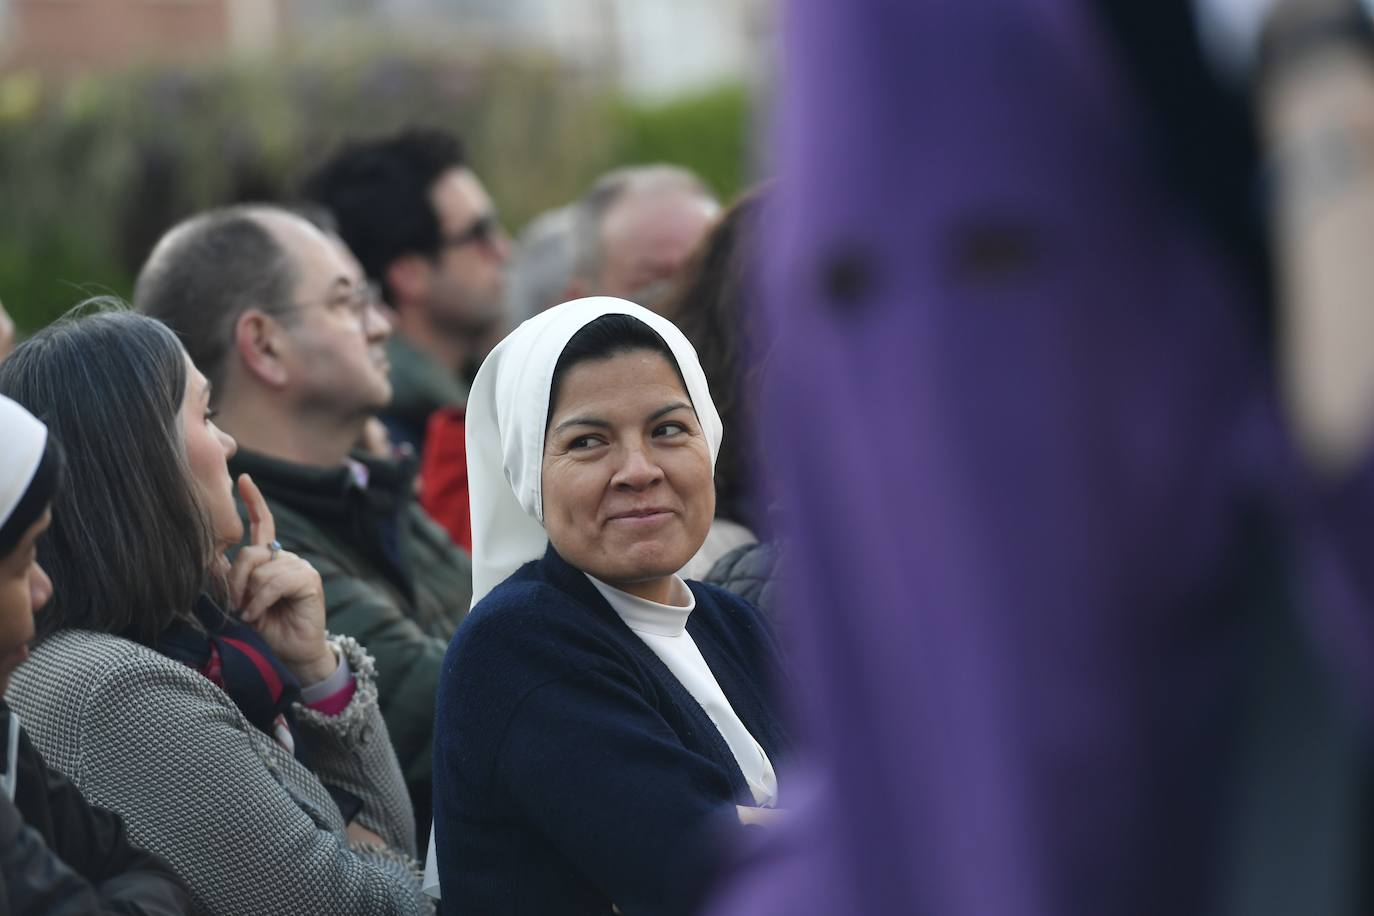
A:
[506,412]
[22,441]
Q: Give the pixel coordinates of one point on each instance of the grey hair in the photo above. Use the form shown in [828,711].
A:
[131,547]
[208,270]
[590,210]
[542,266]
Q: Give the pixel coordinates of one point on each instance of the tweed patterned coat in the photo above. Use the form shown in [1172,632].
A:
[249,828]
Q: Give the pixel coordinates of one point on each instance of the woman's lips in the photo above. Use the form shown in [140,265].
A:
[642,517]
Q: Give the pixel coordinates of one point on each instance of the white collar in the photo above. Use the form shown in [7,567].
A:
[645,616]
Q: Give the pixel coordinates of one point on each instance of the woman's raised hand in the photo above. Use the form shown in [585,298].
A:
[279,595]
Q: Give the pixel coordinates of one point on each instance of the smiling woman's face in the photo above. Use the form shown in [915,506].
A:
[628,495]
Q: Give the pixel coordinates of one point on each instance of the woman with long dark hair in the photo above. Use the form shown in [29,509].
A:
[199,699]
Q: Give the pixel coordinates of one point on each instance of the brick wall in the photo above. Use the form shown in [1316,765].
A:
[66,36]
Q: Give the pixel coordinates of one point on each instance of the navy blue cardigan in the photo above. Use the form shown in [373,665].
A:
[571,769]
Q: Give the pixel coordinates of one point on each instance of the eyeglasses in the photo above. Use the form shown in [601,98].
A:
[482,231]
[357,300]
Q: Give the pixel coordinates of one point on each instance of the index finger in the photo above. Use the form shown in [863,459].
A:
[262,527]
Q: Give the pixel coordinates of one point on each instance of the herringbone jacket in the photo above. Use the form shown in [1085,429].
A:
[249,828]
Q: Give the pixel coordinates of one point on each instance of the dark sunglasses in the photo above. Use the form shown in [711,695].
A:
[482,230]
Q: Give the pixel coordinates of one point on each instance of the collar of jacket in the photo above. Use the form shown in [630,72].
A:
[335,499]
[387,485]
[419,385]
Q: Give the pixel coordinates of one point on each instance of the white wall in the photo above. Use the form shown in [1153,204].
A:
[656,48]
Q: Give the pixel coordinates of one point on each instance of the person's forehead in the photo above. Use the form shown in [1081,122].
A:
[351,264]
[38,526]
[457,197]
[622,380]
[195,379]
[317,259]
[660,211]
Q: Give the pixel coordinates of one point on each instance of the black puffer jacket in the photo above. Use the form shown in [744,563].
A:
[59,855]
[751,572]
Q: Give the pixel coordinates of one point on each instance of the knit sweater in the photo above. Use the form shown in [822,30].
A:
[572,770]
[245,824]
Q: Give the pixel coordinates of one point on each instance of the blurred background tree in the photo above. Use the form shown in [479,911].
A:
[95,163]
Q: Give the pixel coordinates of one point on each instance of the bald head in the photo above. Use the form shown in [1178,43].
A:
[637,226]
[209,269]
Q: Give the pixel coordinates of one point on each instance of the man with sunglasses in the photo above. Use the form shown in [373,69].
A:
[425,230]
[280,318]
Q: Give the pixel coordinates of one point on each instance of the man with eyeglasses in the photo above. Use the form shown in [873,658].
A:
[426,232]
[279,317]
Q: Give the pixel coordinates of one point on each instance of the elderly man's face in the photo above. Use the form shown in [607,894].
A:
[647,236]
[628,494]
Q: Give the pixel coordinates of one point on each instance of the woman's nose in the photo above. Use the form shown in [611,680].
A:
[227,442]
[638,470]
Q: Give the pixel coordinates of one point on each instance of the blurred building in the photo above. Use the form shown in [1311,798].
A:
[657,47]
[65,36]
[652,48]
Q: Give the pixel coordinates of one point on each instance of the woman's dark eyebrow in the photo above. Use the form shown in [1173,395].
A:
[602,424]
[581,421]
[664,411]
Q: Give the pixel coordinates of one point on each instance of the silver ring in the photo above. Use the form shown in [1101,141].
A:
[274,548]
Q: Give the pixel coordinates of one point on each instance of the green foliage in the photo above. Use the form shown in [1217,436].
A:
[93,171]
[706,132]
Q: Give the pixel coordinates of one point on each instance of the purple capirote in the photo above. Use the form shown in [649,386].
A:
[1020,426]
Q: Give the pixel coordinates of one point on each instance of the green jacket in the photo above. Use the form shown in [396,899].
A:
[393,580]
[419,386]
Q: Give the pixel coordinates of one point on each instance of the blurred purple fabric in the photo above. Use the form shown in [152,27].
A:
[1020,423]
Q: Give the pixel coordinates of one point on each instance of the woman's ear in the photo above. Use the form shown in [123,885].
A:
[260,343]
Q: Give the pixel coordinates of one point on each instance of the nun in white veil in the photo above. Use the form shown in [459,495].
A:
[603,726]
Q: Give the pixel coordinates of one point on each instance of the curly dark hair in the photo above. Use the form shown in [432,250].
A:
[378,191]
[712,303]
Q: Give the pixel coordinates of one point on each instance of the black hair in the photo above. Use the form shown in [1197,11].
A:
[43,486]
[602,338]
[130,547]
[378,191]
